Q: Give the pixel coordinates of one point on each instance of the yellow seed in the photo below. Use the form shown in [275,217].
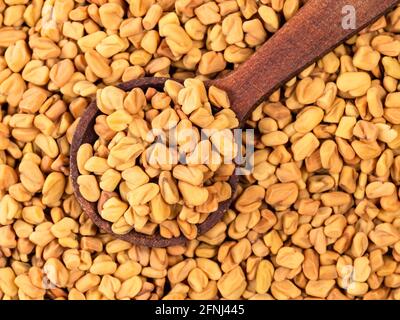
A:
[308,119]
[232,284]
[8,177]
[98,64]
[113,209]
[319,288]
[193,195]
[56,272]
[7,282]
[274,139]
[384,234]
[89,187]
[283,290]
[119,120]
[17,55]
[392,67]
[130,288]
[289,258]
[366,58]
[379,189]
[264,276]
[354,83]
[111,15]
[309,90]
[143,194]
[305,146]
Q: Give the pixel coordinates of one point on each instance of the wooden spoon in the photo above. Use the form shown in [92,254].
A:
[313,32]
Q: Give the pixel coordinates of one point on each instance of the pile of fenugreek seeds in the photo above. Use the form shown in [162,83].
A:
[155,167]
[319,217]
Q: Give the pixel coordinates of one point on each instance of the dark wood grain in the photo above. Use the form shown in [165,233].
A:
[309,35]
[313,32]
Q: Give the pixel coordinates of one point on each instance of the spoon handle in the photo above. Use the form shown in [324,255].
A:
[319,27]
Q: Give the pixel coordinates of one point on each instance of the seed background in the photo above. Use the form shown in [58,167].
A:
[319,216]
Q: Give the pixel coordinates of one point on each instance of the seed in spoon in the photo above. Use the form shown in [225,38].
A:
[162,155]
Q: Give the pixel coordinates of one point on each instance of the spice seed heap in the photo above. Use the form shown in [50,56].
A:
[162,160]
[318,217]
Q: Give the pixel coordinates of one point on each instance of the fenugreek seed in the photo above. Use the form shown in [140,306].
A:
[177,39]
[211,268]
[103,267]
[25,284]
[274,139]
[56,272]
[281,195]
[251,199]
[8,177]
[354,83]
[33,214]
[283,290]
[384,234]
[87,282]
[366,150]
[30,175]
[119,120]
[345,127]
[181,270]
[391,66]
[17,55]
[89,187]
[7,282]
[127,270]
[232,284]
[308,119]
[110,180]
[53,188]
[113,209]
[366,58]
[143,194]
[9,36]
[331,199]
[319,288]
[135,177]
[64,228]
[7,237]
[98,64]
[97,165]
[211,62]
[197,280]
[289,258]
[168,188]
[111,15]
[130,288]
[305,146]
[85,152]
[36,73]
[218,97]
[309,90]
[264,276]
[270,17]
[378,189]
[193,195]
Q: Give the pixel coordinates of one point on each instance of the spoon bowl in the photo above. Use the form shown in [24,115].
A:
[85,134]
[313,32]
